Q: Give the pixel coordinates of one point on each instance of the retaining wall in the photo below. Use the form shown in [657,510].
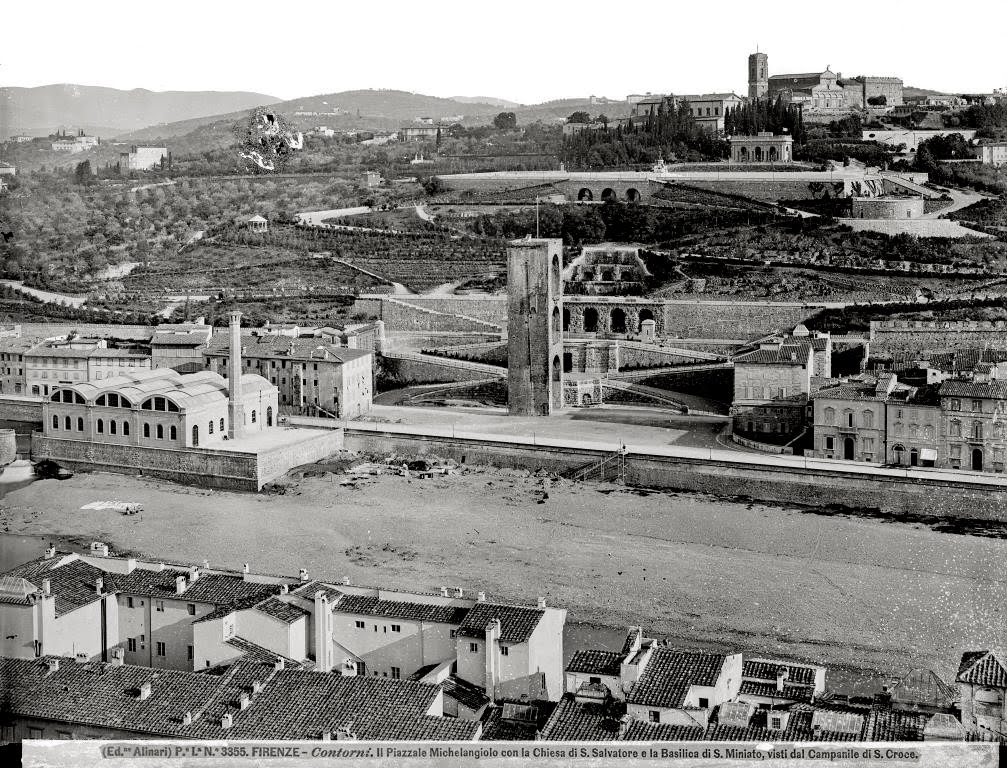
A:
[20,409]
[208,468]
[787,485]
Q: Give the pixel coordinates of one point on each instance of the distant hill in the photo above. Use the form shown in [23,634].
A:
[369,110]
[485,100]
[911,92]
[106,111]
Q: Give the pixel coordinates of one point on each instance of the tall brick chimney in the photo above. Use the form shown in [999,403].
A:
[235,404]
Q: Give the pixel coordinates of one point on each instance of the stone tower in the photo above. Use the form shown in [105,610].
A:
[235,402]
[758,76]
[535,326]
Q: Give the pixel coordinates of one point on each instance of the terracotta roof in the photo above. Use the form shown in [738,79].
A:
[641,731]
[517,623]
[596,663]
[313,350]
[784,354]
[465,693]
[255,652]
[982,668]
[763,669]
[283,611]
[576,721]
[292,704]
[894,725]
[215,588]
[769,691]
[670,673]
[368,605]
[995,390]
[308,590]
[72,585]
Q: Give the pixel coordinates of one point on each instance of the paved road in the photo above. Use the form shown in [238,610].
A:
[652,440]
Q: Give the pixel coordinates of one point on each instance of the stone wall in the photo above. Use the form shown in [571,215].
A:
[771,191]
[396,372]
[731,320]
[785,485]
[888,208]
[917,337]
[698,319]
[20,408]
[47,330]
[192,466]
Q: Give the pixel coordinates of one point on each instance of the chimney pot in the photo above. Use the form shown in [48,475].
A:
[117,657]
[53,665]
[99,585]
[243,701]
[206,565]
[459,592]
[279,664]
[180,585]
[302,574]
[46,587]
[193,573]
[244,568]
[144,691]
[541,602]
[346,580]
[284,589]
[187,718]
[481,597]
[256,687]
[50,552]
[444,591]
[226,720]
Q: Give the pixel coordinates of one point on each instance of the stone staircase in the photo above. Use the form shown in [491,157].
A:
[646,373]
[491,371]
[677,351]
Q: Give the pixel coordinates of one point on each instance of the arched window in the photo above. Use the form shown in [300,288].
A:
[269,416]
[590,320]
[146,429]
[111,426]
[868,417]
[209,427]
[80,424]
[830,416]
[253,416]
[160,432]
[195,436]
[55,421]
[174,433]
[125,428]
[101,426]
[222,425]
[66,423]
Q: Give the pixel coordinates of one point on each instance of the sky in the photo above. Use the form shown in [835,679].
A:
[527,51]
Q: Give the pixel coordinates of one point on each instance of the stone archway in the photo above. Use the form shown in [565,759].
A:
[773,155]
[758,154]
[590,320]
[566,319]
[608,195]
[585,194]
[633,195]
[617,320]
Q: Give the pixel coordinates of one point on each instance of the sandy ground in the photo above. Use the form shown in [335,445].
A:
[708,572]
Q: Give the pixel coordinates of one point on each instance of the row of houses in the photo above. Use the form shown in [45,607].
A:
[313,373]
[938,410]
[98,646]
